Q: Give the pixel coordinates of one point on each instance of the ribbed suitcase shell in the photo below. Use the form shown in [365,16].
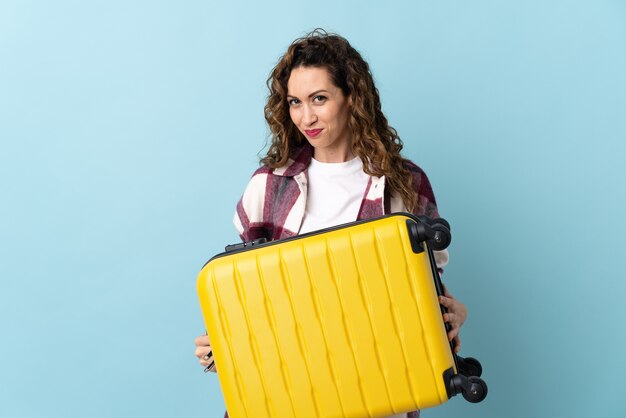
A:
[344,322]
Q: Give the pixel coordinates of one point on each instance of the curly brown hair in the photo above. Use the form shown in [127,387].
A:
[374,141]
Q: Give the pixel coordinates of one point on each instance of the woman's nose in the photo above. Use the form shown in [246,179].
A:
[309,115]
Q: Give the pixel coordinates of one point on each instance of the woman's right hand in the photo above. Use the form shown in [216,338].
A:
[205,353]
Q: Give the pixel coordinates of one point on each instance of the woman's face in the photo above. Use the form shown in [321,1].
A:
[320,111]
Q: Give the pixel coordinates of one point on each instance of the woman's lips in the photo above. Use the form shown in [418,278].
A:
[312,133]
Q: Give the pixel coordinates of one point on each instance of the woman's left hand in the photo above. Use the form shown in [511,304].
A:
[456,315]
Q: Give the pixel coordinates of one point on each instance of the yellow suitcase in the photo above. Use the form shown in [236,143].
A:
[343,322]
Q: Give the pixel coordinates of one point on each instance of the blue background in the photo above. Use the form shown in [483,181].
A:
[129,129]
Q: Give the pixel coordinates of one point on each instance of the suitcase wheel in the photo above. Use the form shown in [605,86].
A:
[477,390]
[473,388]
[442,221]
[437,235]
[469,366]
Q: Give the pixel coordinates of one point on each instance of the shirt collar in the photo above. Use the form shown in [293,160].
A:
[297,163]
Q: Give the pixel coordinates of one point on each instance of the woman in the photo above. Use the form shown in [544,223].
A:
[333,157]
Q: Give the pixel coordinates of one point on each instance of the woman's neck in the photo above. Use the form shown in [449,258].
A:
[333,156]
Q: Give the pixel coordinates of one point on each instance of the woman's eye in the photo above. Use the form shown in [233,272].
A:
[292,102]
[319,99]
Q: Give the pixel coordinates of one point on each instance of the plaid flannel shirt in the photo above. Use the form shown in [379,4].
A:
[273,204]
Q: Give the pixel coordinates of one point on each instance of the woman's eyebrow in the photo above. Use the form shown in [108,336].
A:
[318,92]
[310,95]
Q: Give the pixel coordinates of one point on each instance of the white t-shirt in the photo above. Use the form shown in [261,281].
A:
[335,192]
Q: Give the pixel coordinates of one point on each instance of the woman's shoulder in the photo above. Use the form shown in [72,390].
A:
[268,198]
[266,181]
[420,179]
[426,202]
[263,170]
[412,167]
[269,183]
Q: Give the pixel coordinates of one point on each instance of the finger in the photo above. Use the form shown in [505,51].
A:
[206,359]
[202,351]
[454,332]
[456,308]
[457,344]
[207,363]
[202,340]
[210,368]
[448,302]
[449,317]
[452,319]
[445,301]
